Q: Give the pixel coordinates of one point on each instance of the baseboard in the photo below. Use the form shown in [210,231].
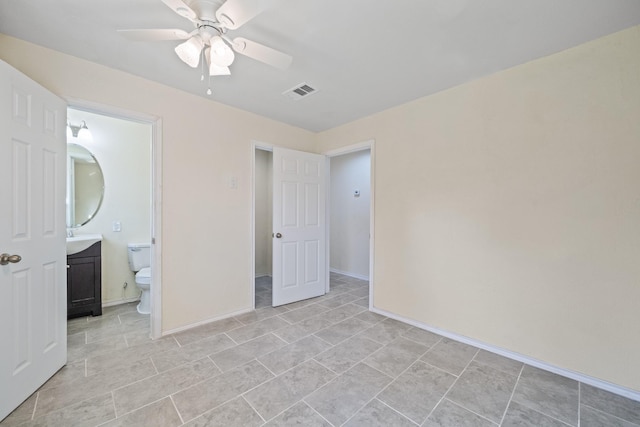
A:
[346,273]
[204,322]
[595,382]
[262,275]
[120,301]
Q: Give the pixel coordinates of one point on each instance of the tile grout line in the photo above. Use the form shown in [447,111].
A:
[176,409]
[451,386]
[513,392]
[254,409]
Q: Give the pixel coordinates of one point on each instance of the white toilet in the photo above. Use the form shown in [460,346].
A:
[140,262]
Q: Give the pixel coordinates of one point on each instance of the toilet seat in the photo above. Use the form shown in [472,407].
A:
[143,277]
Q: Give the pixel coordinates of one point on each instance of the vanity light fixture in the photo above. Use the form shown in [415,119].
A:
[81,132]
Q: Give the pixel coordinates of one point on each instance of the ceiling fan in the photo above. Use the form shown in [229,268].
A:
[212,19]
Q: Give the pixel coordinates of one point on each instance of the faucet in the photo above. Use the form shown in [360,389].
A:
[69,232]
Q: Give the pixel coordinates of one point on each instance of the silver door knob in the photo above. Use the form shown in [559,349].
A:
[6,259]
[278,235]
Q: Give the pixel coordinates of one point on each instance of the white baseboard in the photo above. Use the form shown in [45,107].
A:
[120,301]
[346,273]
[204,322]
[595,382]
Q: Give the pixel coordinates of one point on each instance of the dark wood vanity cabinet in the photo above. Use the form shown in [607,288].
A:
[84,282]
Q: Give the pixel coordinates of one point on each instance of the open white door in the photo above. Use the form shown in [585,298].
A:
[33,328]
[299,253]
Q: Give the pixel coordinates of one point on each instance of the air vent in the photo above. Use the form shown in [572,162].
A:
[299,91]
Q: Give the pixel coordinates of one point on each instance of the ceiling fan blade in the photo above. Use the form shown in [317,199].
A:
[155,35]
[262,53]
[234,13]
[181,8]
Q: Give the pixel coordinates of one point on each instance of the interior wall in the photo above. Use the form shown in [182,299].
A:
[123,150]
[349,213]
[263,212]
[206,247]
[507,208]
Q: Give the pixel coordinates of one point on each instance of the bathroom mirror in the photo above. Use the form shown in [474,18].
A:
[85,186]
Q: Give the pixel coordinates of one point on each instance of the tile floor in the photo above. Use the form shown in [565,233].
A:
[327,361]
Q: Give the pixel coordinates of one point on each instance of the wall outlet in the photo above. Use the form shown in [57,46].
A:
[117,226]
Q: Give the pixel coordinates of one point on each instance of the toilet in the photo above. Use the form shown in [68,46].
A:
[140,263]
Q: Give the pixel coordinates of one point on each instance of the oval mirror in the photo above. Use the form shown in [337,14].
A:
[85,186]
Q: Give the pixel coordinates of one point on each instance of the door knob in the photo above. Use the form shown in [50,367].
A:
[278,235]
[6,259]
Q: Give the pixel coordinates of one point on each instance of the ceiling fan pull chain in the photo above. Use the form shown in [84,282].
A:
[209,88]
[202,67]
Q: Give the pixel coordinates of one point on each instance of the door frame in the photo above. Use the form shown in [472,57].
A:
[361,146]
[156,196]
[365,145]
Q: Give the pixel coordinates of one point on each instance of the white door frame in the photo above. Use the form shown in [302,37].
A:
[156,195]
[365,145]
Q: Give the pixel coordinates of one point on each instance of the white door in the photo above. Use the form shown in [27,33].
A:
[33,329]
[298,226]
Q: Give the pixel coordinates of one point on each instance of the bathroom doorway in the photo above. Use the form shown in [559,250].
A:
[263,224]
[126,147]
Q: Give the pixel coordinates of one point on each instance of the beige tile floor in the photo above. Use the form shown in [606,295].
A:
[327,361]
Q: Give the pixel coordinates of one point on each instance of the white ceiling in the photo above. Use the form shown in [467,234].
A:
[363,56]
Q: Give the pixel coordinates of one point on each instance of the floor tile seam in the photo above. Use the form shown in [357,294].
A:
[124,414]
[330,343]
[444,396]
[175,408]
[326,367]
[314,410]
[283,411]
[611,415]
[405,352]
[513,392]
[495,368]
[397,411]
[252,407]
[472,411]
[214,363]
[580,402]
[543,413]
[77,402]
[202,413]
[418,342]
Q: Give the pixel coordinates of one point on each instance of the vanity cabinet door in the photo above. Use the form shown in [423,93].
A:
[84,286]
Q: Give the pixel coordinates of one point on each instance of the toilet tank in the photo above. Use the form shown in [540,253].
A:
[139,255]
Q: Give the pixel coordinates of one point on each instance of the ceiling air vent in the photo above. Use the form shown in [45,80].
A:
[299,91]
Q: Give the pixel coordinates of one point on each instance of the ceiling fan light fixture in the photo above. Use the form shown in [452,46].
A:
[189,51]
[221,53]
[214,69]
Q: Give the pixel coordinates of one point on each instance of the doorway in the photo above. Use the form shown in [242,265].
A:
[126,145]
[354,167]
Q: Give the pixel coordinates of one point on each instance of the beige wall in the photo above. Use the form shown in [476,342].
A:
[123,150]
[205,224]
[508,209]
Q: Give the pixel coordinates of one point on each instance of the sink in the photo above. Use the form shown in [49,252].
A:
[81,242]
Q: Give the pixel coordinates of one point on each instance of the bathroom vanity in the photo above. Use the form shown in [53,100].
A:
[84,282]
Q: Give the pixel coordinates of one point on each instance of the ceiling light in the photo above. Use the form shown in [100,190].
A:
[214,69]
[81,132]
[221,53]
[189,51]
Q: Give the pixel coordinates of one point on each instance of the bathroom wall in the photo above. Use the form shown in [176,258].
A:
[264,212]
[123,150]
[349,215]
